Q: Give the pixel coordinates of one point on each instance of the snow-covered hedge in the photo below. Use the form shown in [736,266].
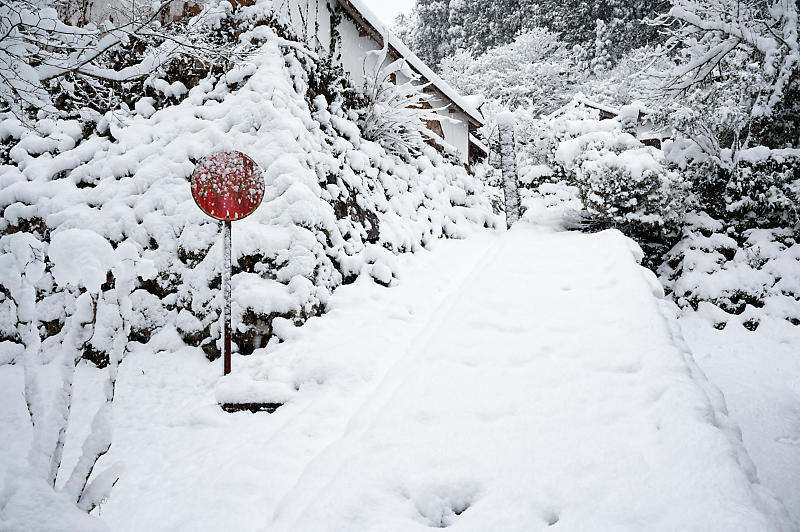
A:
[336,206]
[722,232]
[735,279]
[739,255]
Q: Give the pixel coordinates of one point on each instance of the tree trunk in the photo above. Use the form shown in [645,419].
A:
[509,165]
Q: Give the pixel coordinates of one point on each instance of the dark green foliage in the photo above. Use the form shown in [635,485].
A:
[327,78]
[440,27]
[764,193]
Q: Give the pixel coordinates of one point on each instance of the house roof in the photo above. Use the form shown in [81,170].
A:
[377,30]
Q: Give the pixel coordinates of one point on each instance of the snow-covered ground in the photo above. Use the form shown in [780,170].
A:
[510,381]
[759,373]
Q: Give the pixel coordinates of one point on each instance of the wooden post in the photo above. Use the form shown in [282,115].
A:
[226,294]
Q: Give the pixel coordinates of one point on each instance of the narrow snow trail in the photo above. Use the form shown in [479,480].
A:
[550,390]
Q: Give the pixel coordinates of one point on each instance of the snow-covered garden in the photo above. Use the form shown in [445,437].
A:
[625,356]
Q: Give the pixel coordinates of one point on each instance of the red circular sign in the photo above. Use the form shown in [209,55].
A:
[227,185]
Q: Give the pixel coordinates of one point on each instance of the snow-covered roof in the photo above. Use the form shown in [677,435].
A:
[478,144]
[379,30]
[580,98]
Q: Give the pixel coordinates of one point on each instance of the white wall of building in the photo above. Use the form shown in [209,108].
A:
[355,44]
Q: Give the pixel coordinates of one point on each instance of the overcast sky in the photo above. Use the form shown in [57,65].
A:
[387,10]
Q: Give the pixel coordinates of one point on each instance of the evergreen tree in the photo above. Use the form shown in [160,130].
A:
[438,28]
[430,39]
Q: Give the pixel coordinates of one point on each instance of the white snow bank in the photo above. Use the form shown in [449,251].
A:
[29,504]
[759,373]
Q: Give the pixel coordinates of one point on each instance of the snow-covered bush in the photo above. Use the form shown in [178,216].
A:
[538,139]
[333,201]
[738,255]
[624,183]
[731,278]
[619,181]
[397,109]
[66,275]
[764,189]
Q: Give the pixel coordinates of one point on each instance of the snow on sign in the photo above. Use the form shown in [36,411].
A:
[228,186]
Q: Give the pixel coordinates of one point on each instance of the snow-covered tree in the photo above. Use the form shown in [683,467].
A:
[735,82]
[56,65]
[438,29]
[536,71]
[78,262]
[430,36]
[602,59]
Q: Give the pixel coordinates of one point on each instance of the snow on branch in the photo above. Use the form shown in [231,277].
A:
[709,32]
[40,54]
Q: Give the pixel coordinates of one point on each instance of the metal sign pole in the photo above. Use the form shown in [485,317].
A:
[226,292]
[228,186]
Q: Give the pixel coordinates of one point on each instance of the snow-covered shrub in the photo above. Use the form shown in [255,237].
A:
[624,183]
[764,189]
[538,138]
[738,255]
[733,278]
[491,178]
[620,182]
[80,278]
[745,189]
[397,109]
[332,196]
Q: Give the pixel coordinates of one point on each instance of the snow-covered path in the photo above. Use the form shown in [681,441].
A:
[512,381]
[549,390]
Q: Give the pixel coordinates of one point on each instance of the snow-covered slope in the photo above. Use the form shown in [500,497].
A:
[336,205]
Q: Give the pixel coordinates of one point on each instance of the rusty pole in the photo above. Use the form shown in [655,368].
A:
[226,291]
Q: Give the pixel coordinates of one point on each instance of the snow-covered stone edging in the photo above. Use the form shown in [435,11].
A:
[336,206]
